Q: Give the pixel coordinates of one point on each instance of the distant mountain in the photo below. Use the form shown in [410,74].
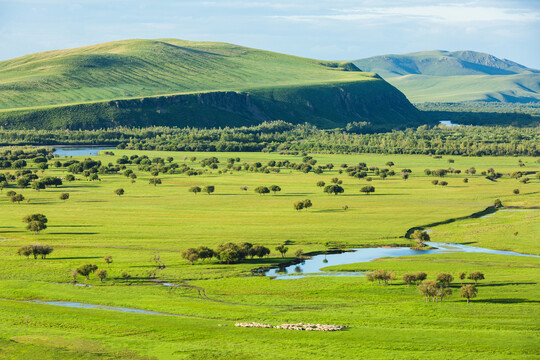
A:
[443,76]
[182,83]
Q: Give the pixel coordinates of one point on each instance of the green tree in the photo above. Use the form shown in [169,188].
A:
[17,198]
[420,236]
[516,191]
[497,204]
[419,276]
[476,275]
[275,189]
[205,253]
[321,183]
[299,253]
[428,288]
[445,278]
[307,204]
[282,249]
[119,192]
[64,196]
[191,255]
[408,278]
[35,222]
[298,205]
[155,181]
[87,269]
[25,250]
[367,189]
[462,275]
[261,190]
[468,291]
[209,189]
[108,259]
[195,189]
[333,189]
[38,185]
[101,274]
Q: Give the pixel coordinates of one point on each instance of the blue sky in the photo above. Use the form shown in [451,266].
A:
[324,29]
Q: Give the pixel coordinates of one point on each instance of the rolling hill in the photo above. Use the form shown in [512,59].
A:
[442,76]
[182,83]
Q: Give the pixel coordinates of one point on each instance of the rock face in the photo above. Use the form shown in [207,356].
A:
[299,326]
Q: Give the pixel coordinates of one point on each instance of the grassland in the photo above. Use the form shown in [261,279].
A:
[391,321]
[182,83]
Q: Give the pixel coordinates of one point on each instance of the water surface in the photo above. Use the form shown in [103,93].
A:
[82,150]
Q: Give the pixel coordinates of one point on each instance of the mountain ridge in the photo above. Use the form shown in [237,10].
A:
[164,80]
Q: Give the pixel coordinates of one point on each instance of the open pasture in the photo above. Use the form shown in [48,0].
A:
[148,221]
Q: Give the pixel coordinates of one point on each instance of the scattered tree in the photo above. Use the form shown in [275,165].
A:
[101,274]
[476,275]
[468,291]
[299,253]
[64,196]
[108,259]
[86,269]
[119,192]
[445,278]
[367,189]
[275,189]
[195,189]
[298,205]
[17,198]
[261,190]
[333,189]
[282,249]
[209,189]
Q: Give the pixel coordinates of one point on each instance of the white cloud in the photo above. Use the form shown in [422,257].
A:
[460,13]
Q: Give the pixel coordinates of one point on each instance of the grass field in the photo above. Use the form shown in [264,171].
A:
[385,321]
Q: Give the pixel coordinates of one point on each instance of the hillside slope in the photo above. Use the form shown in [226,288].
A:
[442,76]
[182,83]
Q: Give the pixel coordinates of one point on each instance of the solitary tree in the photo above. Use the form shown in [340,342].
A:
[195,189]
[119,192]
[36,222]
[101,274]
[87,269]
[108,260]
[476,275]
[516,191]
[320,183]
[497,204]
[420,236]
[299,253]
[282,249]
[390,163]
[155,181]
[209,189]
[468,291]
[64,196]
[275,189]
[367,189]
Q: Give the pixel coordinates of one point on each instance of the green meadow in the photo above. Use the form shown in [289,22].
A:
[199,315]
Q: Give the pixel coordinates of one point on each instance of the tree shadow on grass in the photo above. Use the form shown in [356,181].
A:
[73,233]
[71,226]
[505,284]
[328,211]
[505,301]
[75,258]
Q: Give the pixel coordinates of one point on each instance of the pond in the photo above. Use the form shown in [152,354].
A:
[313,266]
[102,307]
[80,150]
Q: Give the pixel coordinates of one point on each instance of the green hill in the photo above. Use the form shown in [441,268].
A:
[442,76]
[182,83]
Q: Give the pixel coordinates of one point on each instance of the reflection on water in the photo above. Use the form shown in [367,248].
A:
[312,267]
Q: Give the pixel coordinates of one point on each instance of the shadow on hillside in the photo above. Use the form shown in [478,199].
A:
[76,258]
